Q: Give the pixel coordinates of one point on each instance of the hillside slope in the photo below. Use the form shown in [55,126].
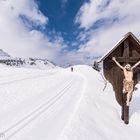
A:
[98,114]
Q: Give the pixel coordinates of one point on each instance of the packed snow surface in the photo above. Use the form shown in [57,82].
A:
[57,104]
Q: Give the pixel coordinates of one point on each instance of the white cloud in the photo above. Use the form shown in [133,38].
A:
[18,39]
[119,17]
[92,11]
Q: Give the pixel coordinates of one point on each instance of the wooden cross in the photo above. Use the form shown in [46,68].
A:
[126,55]
[131,60]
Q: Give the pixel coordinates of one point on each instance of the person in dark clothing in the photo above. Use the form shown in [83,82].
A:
[71,69]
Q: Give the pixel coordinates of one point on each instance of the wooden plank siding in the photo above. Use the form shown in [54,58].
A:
[127,52]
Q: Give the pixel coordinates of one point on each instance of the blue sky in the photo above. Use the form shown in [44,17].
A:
[66,31]
[61,14]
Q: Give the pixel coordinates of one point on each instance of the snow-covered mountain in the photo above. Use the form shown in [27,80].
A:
[6,59]
[3,54]
[38,63]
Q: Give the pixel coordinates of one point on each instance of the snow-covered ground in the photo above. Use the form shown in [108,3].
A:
[60,105]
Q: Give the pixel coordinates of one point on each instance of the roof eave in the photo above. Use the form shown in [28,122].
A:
[116,45]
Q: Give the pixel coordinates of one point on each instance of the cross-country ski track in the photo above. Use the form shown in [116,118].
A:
[57,104]
[35,101]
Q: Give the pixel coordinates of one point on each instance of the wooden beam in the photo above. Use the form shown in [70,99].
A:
[129,59]
[126,48]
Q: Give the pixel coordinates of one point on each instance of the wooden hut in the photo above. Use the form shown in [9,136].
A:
[127,50]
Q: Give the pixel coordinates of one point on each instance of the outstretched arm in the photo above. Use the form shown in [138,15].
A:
[114,59]
[136,64]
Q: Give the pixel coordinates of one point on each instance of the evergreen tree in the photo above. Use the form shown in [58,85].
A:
[96,66]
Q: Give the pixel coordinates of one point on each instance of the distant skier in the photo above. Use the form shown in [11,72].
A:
[71,69]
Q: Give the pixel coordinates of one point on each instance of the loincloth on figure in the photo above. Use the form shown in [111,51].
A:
[128,86]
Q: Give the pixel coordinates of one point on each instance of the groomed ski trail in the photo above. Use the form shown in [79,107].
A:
[41,116]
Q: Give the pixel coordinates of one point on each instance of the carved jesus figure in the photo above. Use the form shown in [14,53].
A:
[128,83]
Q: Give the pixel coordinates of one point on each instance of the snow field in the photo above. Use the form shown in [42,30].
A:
[27,100]
[98,115]
[62,105]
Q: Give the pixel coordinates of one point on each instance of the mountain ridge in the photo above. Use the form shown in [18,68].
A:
[7,59]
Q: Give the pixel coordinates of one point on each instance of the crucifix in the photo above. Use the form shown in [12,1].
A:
[128,82]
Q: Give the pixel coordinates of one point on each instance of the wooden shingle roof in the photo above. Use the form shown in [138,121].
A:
[117,44]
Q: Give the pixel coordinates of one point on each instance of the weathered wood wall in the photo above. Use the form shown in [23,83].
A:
[114,74]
